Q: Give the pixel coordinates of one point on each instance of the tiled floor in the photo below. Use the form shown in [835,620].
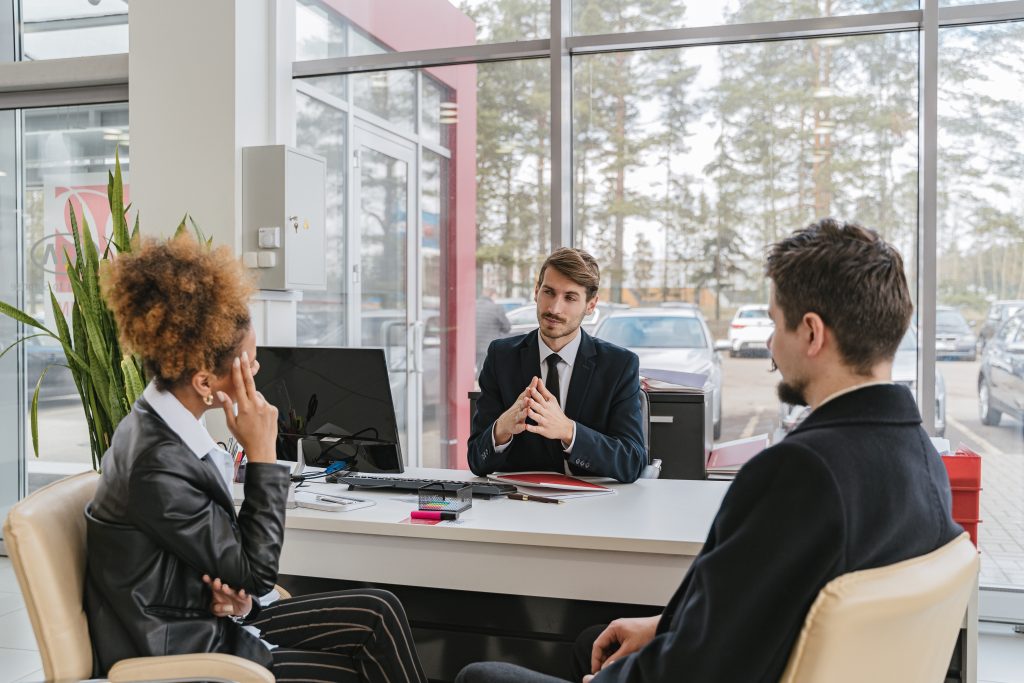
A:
[1001,651]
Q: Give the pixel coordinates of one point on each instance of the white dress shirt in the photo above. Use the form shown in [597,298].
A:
[191,430]
[566,361]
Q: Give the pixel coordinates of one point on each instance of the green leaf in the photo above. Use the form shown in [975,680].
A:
[18,341]
[35,411]
[132,379]
[65,335]
[181,229]
[22,317]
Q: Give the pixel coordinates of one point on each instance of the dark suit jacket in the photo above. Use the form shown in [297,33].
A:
[857,485]
[162,518]
[603,399]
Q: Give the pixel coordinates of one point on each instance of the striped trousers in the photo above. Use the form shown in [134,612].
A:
[356,635]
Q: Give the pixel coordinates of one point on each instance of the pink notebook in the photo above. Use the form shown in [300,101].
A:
[549,480]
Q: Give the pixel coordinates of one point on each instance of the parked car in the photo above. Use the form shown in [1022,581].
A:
[998,313]
[669,339]
[904,371]
[42,353]
[511,302]
[954,339]
[1001,376]
[749,331]
[524,318]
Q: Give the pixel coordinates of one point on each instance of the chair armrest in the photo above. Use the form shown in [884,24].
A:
[196,667]
[652,471]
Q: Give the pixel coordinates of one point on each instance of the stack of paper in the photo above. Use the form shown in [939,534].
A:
[672,381]
[728,457]
[552,484]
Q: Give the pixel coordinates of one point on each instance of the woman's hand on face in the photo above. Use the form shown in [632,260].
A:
[227,602]
[255,425]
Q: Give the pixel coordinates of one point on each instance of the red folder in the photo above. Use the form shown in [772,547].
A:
[551,480]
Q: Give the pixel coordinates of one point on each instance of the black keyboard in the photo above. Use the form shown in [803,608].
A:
[483,489]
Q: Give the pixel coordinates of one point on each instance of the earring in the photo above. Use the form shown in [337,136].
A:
[208,399]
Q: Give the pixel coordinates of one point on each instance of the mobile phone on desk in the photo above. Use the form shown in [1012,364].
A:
[329,503]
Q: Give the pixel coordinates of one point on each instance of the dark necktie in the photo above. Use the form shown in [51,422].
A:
[551,383]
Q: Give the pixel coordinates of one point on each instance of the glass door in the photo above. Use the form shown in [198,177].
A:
[386,311]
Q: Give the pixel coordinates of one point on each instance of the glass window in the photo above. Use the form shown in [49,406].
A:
[467,193]
[415,24]
[320,128]
[689,162]
[610,16]
[53,29]
[981,273]
[67,153]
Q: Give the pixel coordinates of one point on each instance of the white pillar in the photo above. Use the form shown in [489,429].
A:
[206,79]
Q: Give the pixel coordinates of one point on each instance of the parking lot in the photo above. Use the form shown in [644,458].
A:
[750,407]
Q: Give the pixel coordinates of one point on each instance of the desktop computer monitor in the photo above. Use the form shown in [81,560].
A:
[333,405]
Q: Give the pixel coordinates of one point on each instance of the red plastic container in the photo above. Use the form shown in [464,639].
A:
[964,470]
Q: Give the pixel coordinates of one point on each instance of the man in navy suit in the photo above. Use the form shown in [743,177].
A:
[856,485]
[557,399]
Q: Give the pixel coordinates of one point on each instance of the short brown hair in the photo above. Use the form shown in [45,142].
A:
[850,277]
[577,265]
[181,306]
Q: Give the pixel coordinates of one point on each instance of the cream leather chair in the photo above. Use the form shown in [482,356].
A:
[45,538]
[897,623]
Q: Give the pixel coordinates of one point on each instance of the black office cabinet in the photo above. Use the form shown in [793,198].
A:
[680,434]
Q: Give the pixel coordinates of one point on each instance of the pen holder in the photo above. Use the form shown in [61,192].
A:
[435,497]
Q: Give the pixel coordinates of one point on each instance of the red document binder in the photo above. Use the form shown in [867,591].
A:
[551,480]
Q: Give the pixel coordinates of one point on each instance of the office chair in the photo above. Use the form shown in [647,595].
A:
[45,538]
[653,468]
[894,623]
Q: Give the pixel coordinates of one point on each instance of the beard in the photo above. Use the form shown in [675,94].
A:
[792,392]
[566,326]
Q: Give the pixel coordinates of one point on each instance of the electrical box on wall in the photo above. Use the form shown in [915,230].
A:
[283,214]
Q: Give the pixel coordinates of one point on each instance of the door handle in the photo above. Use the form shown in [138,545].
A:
[417,346]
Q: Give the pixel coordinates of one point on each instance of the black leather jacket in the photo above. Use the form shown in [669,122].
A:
[161,519]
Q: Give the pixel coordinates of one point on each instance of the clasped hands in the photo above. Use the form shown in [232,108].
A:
[541,406]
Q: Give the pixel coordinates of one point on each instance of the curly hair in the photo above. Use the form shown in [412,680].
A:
[180,306]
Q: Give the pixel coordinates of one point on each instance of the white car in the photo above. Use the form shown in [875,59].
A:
[675,338]
[749,331]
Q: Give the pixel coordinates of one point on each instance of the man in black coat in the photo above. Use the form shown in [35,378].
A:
[857,485]
[557,399]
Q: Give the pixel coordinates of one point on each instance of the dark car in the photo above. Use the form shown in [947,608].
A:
[998,313]
[954,339]
[1001,377]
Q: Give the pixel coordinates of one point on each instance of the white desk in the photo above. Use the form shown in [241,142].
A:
[525,560]
[579,550]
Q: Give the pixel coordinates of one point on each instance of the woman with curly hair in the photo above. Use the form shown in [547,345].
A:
[171,567]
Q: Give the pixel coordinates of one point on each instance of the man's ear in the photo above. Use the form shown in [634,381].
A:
[591,304]
[814,328]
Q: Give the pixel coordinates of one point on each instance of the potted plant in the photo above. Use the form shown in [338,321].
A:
[108,380]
